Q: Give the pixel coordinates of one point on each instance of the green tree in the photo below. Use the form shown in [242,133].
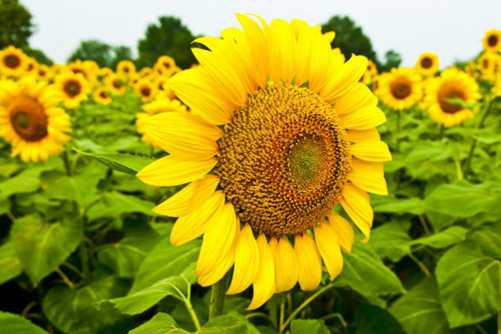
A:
[168,37]
[16,24]
[100,52]
[350,38]
[392,59]
[39,55]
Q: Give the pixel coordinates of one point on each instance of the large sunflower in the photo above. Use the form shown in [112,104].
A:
[492,40]
[451,98]
[13,62]
[427,64]
[31,121]
[280,132]
[73,87]
[399,89]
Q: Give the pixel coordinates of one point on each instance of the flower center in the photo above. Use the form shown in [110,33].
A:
[145,91]
[492,40]
[400,88]
[12,61]
[283,160]
[28,119]
[72,88]
[426,62]
[446,94]
[117,83]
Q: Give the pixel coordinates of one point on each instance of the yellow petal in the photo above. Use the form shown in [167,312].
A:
[329,249]
[183,134]
[193,225]
[371,151]
[246,261]
[172,171]
[218,239]
[368,176]
[285,264]
[357,205]
[282,42]
[264,284]
[363,119]
[218,271]
[344,231]
[362,135]
[357,98]
[189,198]
[308,261]
[346,78]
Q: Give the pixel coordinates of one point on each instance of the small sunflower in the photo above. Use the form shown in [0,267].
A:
[492,40]
[117,84]
[145,72]
[370,74]
[126,68]
[102,96]
[44,72]
[165,65]
[105,72]
[79,67]
[399,89]
[280,133]
[74,89]
[427,64]
[156,107]
[489,64]
[146,89]
[31,121]
[451,98]
[13,62]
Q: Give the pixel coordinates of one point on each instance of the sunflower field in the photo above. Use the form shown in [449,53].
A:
[276,186]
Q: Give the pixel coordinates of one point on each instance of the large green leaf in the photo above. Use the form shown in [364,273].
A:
[365,272]
[231,323]
[42,247]
[470,284]
[308,326]
[392,240]
[443,239]
[399,205]
[15,324]
[123,257]
[371,319]
[73,311]
[121,162]
[114,204]
[161,323]
[10,266]
[26,182]
[419,310]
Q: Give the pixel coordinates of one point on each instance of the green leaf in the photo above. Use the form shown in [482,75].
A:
[26,182]
[462,199]
[42,247]
[122,257]
[443,239]
[10,266]
[469,283]
[366,273]
[488,239]
[308,326]
[391,240]
[161,323]
[398,205]
[371,319]
[73,311]
[231,323]
[419,310]
[114,204]
[15,324]
[126,163]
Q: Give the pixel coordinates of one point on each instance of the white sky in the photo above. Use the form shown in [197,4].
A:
[451,28]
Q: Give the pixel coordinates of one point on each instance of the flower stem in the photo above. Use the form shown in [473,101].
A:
[303,305]
[192,313]
[217,298]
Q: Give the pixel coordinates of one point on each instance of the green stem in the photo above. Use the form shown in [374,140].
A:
[303,305]
[217,298]
[192,313]
[84,260]
[67,165]
[397,134]
[499,323]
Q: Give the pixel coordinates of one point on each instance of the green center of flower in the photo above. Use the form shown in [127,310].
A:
[283,160]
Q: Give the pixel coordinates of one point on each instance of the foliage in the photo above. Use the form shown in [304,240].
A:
[168,37]
[103,54]
[20,26]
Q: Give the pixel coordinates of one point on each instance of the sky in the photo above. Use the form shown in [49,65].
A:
[451,28]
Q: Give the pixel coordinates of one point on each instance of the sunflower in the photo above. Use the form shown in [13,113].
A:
[79,67]
[105,72]
[74,89]
[145,71]
[451,98]
[492,40]
[13,62]
[489,64]
[102,96]
[153,108]
[399,89]
[44,72]
[280,132]
[126,68]
[146,89]
[31,121]
[427,64]
[370,74]
[165,65]
[116,84]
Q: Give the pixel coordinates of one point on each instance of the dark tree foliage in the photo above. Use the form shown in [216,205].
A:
[392,59]
[39,55]
[349,37]
[167,37]
[16,24]
[102,53]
